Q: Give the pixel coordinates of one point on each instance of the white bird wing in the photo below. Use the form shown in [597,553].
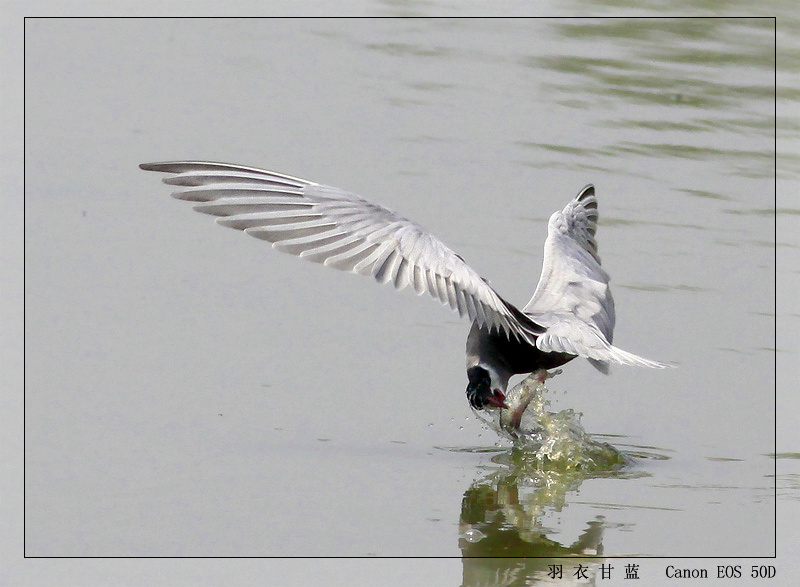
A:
[573,300]
[327,225]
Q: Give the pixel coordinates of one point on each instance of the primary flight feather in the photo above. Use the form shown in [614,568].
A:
[571,313]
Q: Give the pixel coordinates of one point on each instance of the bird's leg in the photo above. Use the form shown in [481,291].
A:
[510,419]
[513,417]
[543,375]
[516,415]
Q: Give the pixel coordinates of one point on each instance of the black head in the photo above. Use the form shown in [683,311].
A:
[480,392]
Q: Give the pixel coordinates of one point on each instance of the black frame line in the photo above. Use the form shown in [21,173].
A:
[454,557]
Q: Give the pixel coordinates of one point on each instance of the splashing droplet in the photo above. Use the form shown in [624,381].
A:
[473,535]
[546,438]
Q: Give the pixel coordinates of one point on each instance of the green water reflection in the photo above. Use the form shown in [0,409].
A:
[504,538]
[667,87]
[502,512]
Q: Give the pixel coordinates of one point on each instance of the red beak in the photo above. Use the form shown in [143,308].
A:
[498,399]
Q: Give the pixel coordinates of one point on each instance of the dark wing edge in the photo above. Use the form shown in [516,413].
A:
[573,299]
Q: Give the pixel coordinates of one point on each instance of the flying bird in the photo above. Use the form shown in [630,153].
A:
[571,313]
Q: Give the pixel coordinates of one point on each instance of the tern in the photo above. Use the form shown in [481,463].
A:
[571,313]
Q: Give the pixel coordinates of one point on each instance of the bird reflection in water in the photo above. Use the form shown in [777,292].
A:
[503,535]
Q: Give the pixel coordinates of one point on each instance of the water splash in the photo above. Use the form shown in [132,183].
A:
[549,440]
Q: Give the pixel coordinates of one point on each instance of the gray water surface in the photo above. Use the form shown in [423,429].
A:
[190,392]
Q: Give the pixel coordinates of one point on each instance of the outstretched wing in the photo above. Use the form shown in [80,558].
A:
[573,299]
[327,225]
